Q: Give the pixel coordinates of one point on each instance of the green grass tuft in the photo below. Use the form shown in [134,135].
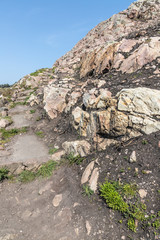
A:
[3,174]
[47,169]
[32,111]
[26,176]
[52,150]
[7,134]
[40,134]
[75,159]
[36,73]
[87,191]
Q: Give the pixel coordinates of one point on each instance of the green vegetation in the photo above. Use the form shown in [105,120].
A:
[52,150]
[113,199]
[26,176]
[36,73]
[131,224]
[4,85]
[7,134]
[3,174]
[32,111]
[156,224]
[45,170]
[14,104]
[53,69]
[74,159]
[124,198]
[144,142]
[87,191]
[7,118]
[40,134]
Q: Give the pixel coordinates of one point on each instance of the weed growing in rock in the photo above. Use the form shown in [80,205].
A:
[87,191]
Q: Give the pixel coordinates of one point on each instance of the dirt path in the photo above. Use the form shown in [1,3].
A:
[25,148]
[52,209]
[46,209]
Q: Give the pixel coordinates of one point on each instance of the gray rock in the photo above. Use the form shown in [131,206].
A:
[56,200]
[94,179]
[133,157]
[87,172]
[81,148]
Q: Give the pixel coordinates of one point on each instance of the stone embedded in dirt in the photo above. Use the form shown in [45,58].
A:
[54,100]
[4,123]
[159,144]
[45,188]
[87,172]
[94,179]
[147,52]
[133,158]
[76,231]
[142,193]
[138,112]
[88,227]
[26,215]
[9,237]
[57,200]
[76,148]
[140,101]
[58,155]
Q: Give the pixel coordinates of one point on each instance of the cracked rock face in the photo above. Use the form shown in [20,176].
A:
[137,111]
[99,51]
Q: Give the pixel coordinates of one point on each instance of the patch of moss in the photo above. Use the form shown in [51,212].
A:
[113,199]
[118,197]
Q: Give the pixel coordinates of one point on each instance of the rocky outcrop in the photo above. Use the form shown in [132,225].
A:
[131,113]
[77,148]
[104,46]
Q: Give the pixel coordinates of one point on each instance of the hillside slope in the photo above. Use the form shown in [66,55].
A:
[96,116]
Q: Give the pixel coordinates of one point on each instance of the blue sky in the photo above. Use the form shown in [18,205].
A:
[34,33]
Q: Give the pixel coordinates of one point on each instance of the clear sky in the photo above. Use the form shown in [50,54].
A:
[34,33]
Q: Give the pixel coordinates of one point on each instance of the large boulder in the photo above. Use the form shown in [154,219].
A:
[134,112]
[77,148]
